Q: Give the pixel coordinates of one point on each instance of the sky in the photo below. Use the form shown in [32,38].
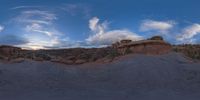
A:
[53,24]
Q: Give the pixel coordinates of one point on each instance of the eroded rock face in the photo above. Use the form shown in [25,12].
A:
[8,51]
[154,49]
[153,46]
[80,61]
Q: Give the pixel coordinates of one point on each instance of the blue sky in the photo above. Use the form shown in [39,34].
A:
[40,24]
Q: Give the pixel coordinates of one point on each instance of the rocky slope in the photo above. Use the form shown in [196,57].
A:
[192,51]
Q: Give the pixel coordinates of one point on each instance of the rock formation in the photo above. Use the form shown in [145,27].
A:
[156,38]
[154,45]
[9,51]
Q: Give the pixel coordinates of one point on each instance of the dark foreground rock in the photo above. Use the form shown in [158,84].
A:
[132,77]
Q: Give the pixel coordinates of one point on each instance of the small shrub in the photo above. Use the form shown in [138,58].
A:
[43,56]
[192,51]
[128,51]
[176,49]
[1,57]
[114,53]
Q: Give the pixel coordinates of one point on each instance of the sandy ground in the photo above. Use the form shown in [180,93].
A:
[135,77]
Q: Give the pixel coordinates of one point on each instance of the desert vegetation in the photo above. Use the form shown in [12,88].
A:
[67,56]
[192,51]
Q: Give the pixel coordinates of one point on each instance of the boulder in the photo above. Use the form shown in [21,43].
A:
[18,60]
[156,38]
[80,61]
[71,58]
[68,62]
[125,41]
[38,59]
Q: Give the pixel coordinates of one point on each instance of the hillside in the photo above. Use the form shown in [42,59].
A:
[71,56]
[131,77]
[192,51]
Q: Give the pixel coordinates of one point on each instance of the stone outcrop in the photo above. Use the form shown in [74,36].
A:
[9,51]
[156,38]
[154,45]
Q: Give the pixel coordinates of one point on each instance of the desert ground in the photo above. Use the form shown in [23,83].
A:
[131,77]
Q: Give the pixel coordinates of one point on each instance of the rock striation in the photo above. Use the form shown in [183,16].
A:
[7,52]
[153,46]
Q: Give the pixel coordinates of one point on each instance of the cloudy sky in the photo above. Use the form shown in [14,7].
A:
[46,24]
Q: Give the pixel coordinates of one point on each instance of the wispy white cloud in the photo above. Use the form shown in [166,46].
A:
[44,32]
[110,37]
[24,7]
[36,16]
[1,28]
[188,34]
[37,21]
[97,27]
[152,25]
[37,45]
[93,23]
[77,9]
[35,27]
[40,29]
[45,15]
[101,36]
